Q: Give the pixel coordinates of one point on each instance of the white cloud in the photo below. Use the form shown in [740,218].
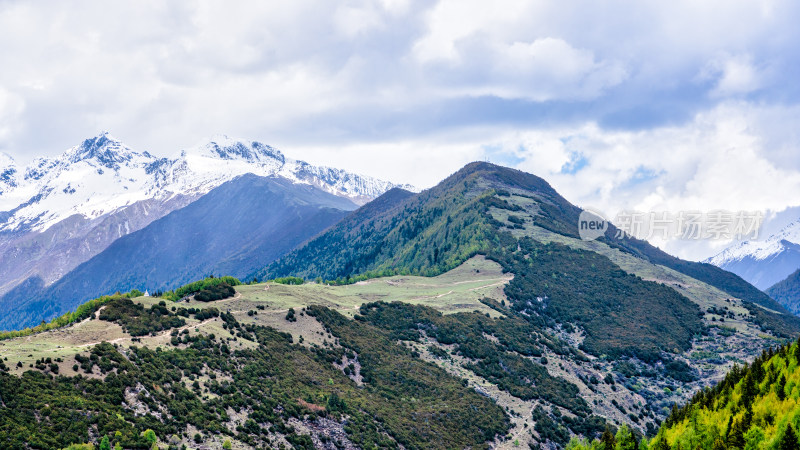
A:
[733,75]
[395,6]
[421,163]
[314,72]
[451,21]
[11,106]
[603,98]
[354,21]
[545,69]
[717,161]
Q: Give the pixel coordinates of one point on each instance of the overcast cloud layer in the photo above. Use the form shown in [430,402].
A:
[620,105]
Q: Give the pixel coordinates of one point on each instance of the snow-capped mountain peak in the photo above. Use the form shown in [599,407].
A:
[7,164]
[763,262]
[226,148]
[102,175]
[6,161]
[222,155]
[104,149]
[8,172]
[788,236]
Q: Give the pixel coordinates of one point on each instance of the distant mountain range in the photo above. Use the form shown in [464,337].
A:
[763,262]
[102,175]
[60,212]
[787,292]
[235,229]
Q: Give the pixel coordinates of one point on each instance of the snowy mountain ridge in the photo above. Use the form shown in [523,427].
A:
[760,250]
[103,175]
[763,262]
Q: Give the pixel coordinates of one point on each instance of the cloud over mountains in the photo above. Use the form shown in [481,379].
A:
[592,96]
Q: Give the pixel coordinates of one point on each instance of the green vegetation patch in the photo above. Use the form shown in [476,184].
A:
[197,286]
[138,321]
[295,281]
[425,407]
[215,292]
[787,292]
[624,439]
[783,325]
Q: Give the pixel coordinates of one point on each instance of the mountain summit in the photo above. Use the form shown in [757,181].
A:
[227,148]
[103,149]
[8,168]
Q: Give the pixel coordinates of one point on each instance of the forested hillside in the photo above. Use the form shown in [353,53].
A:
[427,233]
[756,406]
[617,299]
[787,292]
[407,232]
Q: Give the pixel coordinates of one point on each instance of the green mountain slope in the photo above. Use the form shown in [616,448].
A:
[427,233]
[767,312]
[440,228]
[787,292]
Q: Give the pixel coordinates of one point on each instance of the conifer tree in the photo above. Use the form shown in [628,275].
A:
[780,387]
[736,435]
[607,440]
[789,439]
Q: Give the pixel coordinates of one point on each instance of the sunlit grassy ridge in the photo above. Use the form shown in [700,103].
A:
[459,290]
